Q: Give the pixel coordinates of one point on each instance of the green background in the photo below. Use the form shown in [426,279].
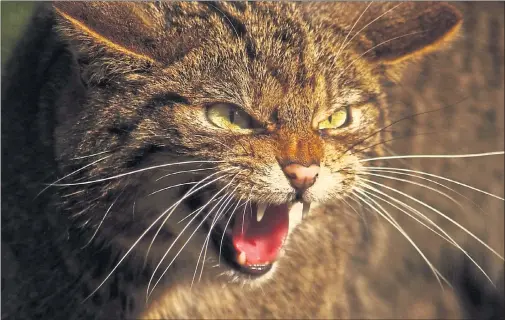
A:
[14,15]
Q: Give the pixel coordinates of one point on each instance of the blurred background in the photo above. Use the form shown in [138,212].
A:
[14,15]
[472,68]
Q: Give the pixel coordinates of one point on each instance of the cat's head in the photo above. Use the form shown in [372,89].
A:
[272,104]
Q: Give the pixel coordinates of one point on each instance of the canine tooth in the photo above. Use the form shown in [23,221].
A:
[261,211]
[295,215]
[241,259]
[305,211]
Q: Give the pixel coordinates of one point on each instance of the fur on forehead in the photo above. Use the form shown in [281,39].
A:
[270,46]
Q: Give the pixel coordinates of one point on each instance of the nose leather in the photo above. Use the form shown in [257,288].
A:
[301,177]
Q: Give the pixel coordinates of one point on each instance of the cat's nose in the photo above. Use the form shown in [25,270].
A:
[301,177]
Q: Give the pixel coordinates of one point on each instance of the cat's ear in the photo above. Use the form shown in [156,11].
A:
[128,30]
[409,30]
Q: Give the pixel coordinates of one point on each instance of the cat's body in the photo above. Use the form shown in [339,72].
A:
[334,265]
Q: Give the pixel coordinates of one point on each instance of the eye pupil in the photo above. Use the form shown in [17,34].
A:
[330,118]
[231,115]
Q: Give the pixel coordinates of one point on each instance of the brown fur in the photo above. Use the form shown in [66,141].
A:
[135,80]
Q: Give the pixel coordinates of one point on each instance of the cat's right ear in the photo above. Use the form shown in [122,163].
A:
[126,31]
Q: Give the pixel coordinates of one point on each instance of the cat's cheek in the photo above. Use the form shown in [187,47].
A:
[328,186]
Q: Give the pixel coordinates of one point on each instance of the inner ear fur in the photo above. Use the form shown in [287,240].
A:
[409,30]
[126,29]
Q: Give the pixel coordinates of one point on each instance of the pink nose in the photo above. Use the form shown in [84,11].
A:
[301,177]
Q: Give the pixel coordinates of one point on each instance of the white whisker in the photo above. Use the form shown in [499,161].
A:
[185,196]
[171,187]
[129,173]
[438,212]
[216,141]
[216,218]
[395,224]
[245,209]
[224,230]
[103,219]
[423,178]
[436,176]
[193,213]
[436,156]
[90,156]
[178,236]
[183,171]
[356,211]
[378,45]
[359,31]
[446,237]
[223,198]
[133,246]
[352,28]
[418,184]
[71,173]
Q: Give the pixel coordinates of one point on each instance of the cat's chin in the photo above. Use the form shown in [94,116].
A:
[252,240]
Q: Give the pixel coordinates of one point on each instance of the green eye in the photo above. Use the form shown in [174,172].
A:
[334,121]
[229,117]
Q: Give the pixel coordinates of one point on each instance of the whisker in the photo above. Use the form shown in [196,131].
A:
[90,156]
[403,161]
[357,33]
[446,237]
[378,45]
[103,219]
[402,210]
[185,196]
[215,140]
[179,235]
[132,172]
[183,171]
[438,212]
[400,138]
[436,156]
[400,120]
[191,214]
[356,211]
[133,246]
[352,28]
[218,215]
[72,194]
[430,180]
[418,184]
[436,176]
[71,173]
[245,208]
[395,224]
[171,187]
[224,199]
[226,227]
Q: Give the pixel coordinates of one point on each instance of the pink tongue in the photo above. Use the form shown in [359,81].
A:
[261,241]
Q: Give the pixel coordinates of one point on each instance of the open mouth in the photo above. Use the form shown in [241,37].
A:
[256,234]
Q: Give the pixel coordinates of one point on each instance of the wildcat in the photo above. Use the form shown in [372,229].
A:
[198,158]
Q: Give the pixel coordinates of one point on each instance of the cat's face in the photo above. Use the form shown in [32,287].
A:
[271,104]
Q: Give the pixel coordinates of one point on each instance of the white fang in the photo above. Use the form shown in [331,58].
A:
[261,211]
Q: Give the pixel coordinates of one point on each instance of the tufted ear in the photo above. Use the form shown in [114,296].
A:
[128,29]
[408,29]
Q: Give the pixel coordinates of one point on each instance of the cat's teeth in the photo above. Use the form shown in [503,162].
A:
[261,211]
[241,259]
[305,211]
[295,216]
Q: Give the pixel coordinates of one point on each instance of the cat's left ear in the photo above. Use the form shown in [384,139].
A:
[409,30]
[125,30]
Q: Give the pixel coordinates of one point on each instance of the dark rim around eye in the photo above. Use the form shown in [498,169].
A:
[348,120]
[233,108]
